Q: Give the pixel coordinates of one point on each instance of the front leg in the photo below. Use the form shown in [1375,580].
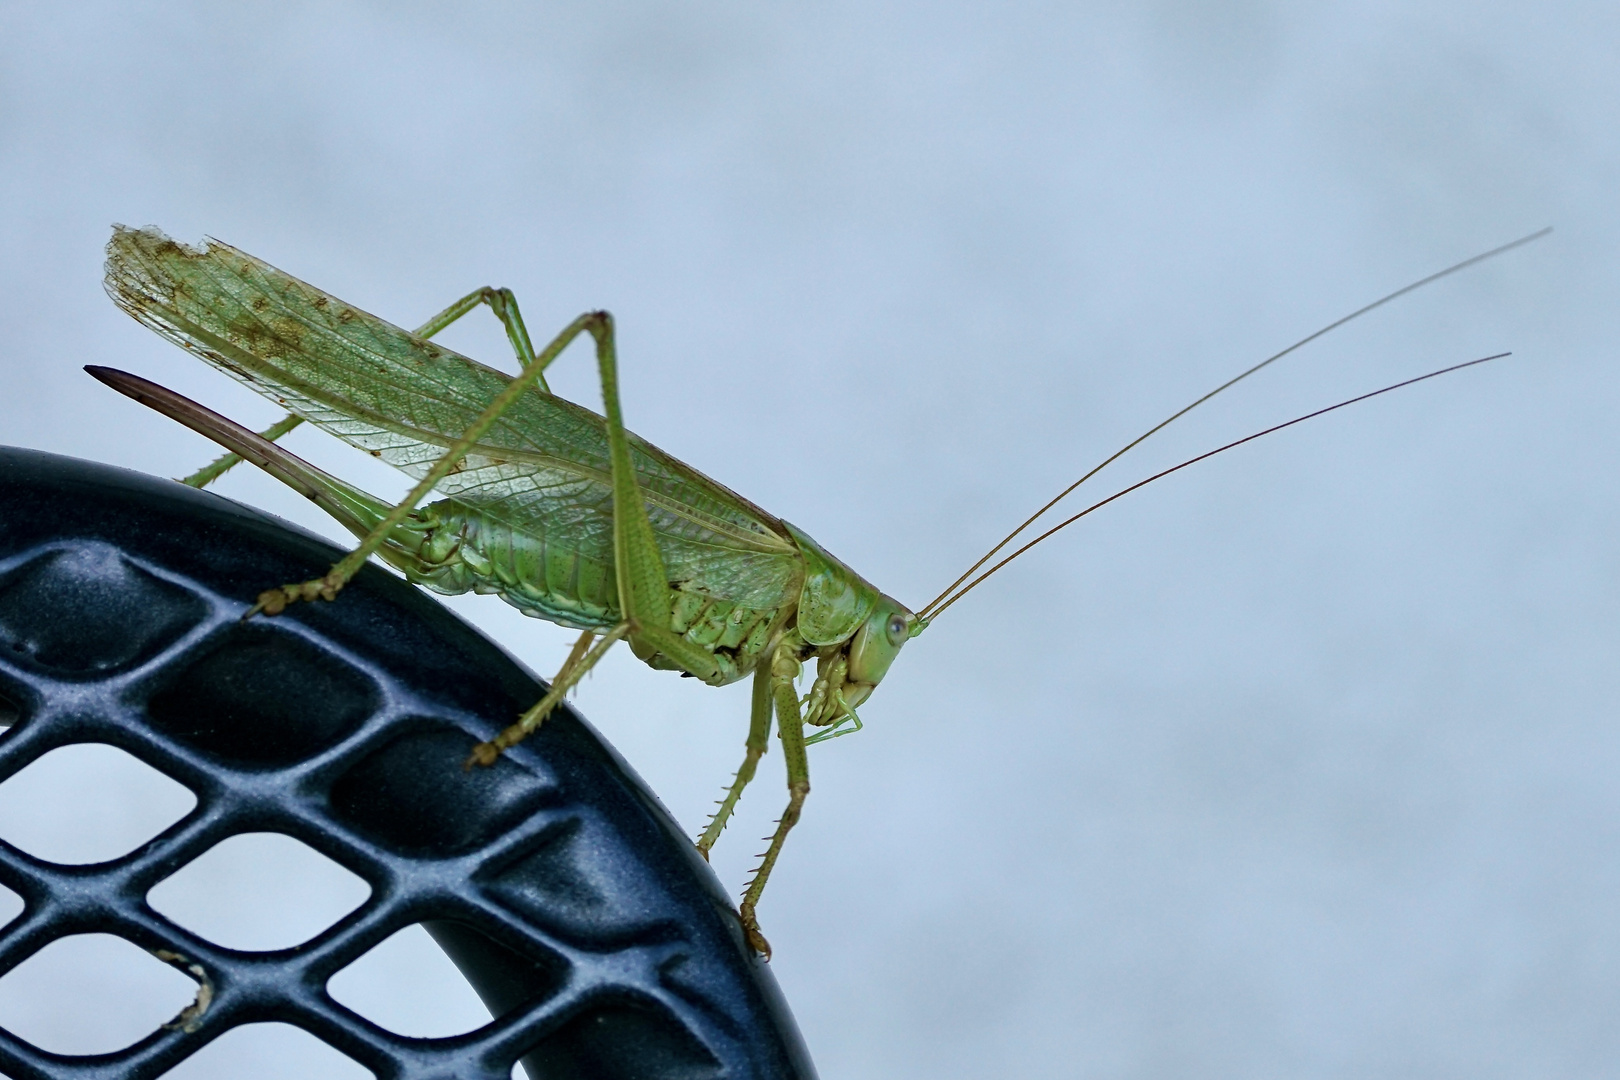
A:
[790,726]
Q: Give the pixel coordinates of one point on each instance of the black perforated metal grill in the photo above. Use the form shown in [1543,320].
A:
[586,921]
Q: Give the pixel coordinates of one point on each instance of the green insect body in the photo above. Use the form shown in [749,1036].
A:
[556,509]
[453,547]
[541,508]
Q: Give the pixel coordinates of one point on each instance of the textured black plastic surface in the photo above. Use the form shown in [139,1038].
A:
[556,882]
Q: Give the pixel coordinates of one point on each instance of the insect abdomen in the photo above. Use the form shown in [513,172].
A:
[734,634]
[452,548]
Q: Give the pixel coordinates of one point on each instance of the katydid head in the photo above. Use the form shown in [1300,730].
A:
[855,630]
[874,647]
[848,671]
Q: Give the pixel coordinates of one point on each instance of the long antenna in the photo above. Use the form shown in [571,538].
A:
[1194,460]
[1380,302]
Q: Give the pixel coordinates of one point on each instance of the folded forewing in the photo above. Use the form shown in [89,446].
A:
[542,467]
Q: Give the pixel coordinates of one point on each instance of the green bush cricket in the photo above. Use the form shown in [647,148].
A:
[561,512]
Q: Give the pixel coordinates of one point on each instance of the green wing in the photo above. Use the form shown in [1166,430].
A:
[542,468]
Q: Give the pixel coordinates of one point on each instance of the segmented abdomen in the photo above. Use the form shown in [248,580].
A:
[453,548]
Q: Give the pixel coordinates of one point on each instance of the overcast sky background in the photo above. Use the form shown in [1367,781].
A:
[1301,763]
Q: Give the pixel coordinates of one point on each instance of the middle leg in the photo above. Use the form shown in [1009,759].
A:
[572,671]
[759,736]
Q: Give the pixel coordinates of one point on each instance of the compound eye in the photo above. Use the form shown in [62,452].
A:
[897,629]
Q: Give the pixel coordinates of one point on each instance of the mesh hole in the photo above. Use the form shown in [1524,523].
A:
[408,985]
[88,803]
[268,1052]
[90,994]
[11,906]
[258,892]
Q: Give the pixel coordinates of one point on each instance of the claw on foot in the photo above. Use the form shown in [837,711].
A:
[271,602]
[275,601]
[756,940]
[484,753]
